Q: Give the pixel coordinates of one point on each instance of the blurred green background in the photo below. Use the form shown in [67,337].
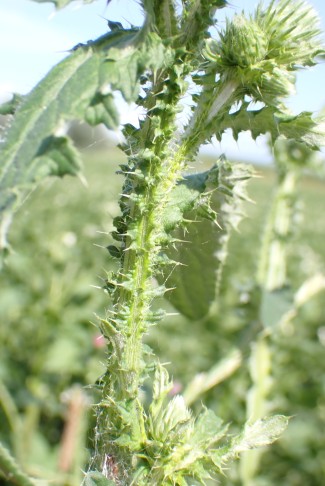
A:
[51,291]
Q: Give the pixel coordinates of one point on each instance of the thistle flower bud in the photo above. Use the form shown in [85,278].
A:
[243,43]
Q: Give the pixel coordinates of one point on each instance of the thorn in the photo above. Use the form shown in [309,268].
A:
[83,180]
[110,311]
[113,26]
[169,289]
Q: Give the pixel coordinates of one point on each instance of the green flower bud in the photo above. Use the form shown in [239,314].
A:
[242,44]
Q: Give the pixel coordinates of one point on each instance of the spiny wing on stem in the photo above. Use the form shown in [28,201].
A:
[80,87]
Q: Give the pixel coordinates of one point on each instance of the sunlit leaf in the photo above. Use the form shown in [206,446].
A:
[260,433]
[268,120]
[202,249]
[79,87]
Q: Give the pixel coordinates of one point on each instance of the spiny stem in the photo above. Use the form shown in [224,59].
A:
[144,239]
[212,101]
[140,262]
[222,98]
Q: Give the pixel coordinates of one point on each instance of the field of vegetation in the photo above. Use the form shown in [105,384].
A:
[51,290]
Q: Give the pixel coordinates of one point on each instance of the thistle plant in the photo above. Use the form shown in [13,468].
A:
[154,438]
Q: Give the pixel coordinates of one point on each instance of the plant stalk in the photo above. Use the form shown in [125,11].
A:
[271,275]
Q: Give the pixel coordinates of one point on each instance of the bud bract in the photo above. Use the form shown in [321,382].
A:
[243,43]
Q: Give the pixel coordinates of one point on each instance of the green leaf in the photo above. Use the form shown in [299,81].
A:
[95,478]
[11,471]
[183,198]
[208,430]
[193,283]
[217,195]
[102,110]
[49,104]
[11,106]
[80,87]
[57,156]
[301,128]
[260,434]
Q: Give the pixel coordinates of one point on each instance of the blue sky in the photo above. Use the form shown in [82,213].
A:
[34,37]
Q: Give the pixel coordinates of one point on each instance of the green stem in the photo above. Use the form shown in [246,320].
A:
[257,403]
[213,101]
[151,175]
[272,271]
[146,195]
[272,275]
[140,262]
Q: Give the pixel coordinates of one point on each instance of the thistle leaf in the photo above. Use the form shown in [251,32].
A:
[80,87]
[193,283]
[22,153]
[9,107]
[204,248]
[57,156]
[179,444]
[208,429]
[301,128]
[95,478]
[259,434]
[10,470]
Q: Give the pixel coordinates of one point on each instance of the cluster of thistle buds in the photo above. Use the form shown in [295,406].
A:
[261,52]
